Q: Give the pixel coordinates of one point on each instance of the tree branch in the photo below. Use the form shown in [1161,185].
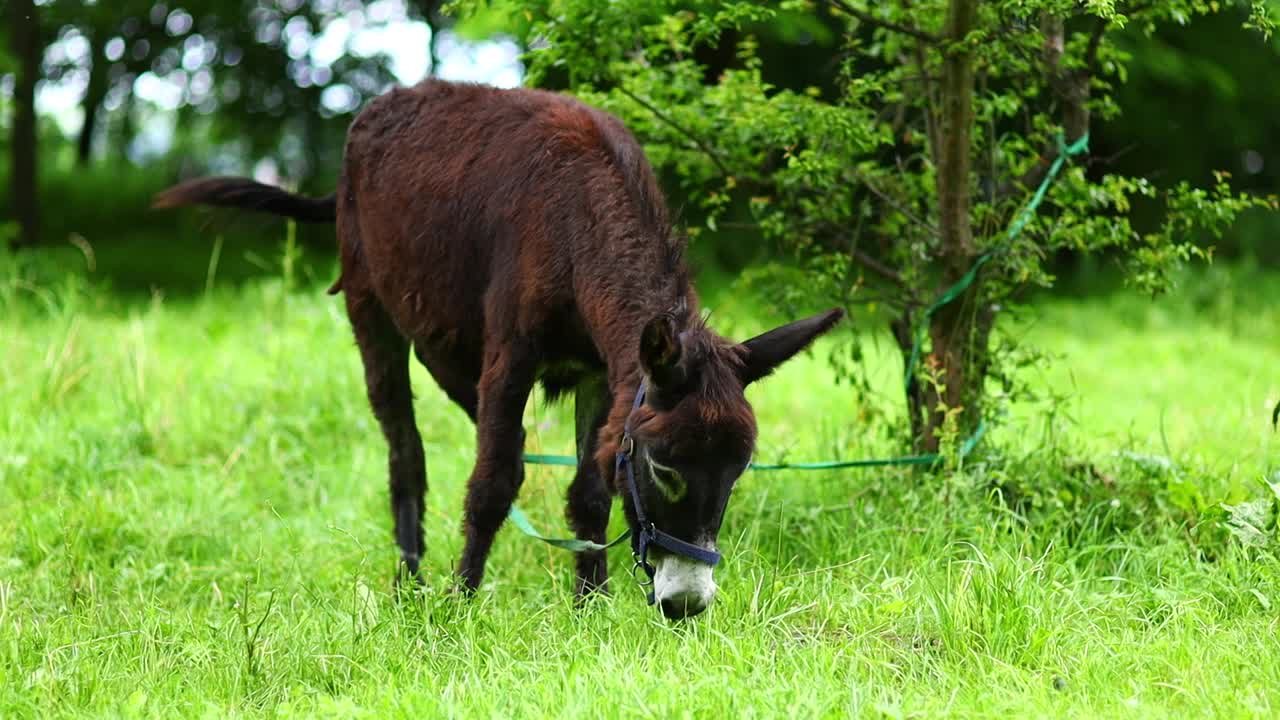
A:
[1100,29]
[1070,87]
[868,18]
[697,142]
[861,258]
[858,256]
[930,109]
[893,203]
[1095,42]
[878,267]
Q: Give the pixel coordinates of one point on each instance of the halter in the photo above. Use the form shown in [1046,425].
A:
[647,533]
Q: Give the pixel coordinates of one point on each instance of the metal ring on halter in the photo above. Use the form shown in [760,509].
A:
[649,570]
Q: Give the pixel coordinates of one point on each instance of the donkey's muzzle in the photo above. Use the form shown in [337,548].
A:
[681,606]
[683,587]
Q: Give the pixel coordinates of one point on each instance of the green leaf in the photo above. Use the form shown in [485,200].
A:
[1249,521]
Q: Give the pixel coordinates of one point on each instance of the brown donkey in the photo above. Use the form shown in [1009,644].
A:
[519,236]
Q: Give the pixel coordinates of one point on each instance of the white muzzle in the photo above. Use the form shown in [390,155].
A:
[683,587]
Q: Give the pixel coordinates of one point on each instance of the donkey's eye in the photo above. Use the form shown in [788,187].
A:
[668,481]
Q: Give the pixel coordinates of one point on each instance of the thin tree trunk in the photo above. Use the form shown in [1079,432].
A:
[433,49]
[127,129]
[24,28]
[1071,87]
[902,328]
[959,354]
[93,97]
[435,21]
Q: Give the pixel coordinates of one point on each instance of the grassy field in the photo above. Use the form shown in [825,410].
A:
[195,524]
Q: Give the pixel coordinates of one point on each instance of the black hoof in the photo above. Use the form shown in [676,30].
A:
[461,589]
[407,575]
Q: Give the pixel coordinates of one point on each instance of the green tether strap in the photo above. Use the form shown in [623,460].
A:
[536,459]
[517,516]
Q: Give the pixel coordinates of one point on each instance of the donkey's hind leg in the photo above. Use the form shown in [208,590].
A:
[589,497]
[385,353]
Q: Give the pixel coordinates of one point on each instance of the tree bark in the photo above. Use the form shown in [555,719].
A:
[24,29]
[959,349]
[93,98]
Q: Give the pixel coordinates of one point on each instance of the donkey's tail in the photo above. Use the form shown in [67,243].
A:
[246,194]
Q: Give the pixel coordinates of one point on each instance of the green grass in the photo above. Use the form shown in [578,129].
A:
[195,524]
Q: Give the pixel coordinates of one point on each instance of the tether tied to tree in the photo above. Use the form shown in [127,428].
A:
[1019,223]
[1015,229]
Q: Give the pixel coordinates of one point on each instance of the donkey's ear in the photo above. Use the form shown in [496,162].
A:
[660,350]
[763,354]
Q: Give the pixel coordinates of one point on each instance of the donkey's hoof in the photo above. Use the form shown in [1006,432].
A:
[459,589]
[407,576]
[409,581]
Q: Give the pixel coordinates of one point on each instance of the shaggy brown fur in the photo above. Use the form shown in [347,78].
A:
[518,236]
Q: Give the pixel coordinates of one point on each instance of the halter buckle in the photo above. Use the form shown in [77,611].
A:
[641,557]
[627,446]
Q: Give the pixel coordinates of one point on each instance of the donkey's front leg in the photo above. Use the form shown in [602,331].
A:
[504,389]
[588,512]
[589,497]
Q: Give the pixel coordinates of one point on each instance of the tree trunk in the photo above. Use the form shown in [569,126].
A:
[24,29]
[1070,85]
[903,331]
[93,97]
[959,351]
[433,49]
[127,130]
[435,21]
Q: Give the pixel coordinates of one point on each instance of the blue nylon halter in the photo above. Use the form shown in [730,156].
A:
[647,533]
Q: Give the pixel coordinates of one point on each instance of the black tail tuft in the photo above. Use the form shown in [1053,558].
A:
[246,194]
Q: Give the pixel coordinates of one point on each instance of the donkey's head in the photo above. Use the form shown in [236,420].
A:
[692,437]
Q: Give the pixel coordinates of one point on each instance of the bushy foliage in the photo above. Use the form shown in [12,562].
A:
[850,174]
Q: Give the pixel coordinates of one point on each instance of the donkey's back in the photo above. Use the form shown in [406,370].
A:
[464,206]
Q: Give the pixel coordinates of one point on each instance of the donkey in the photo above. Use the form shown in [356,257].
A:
[514,237]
